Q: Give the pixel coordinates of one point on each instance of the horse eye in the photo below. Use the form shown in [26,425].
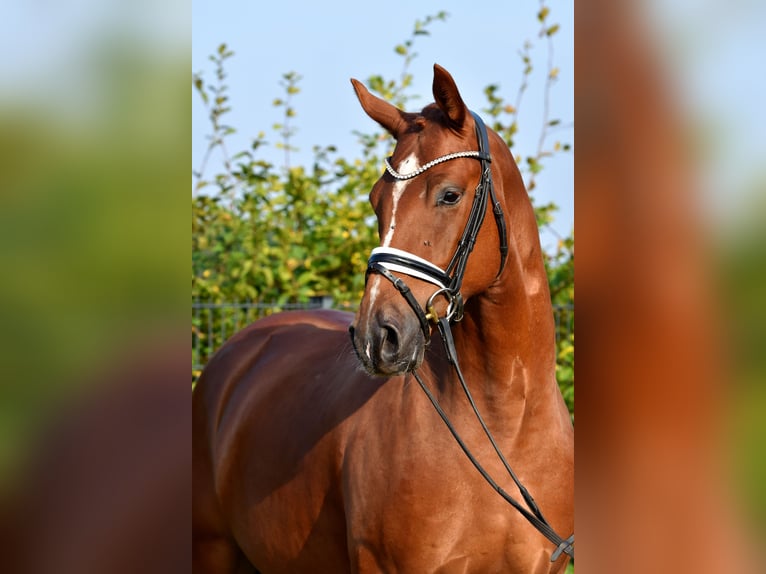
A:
[450,197]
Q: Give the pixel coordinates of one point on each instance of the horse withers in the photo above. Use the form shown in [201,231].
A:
[317,452]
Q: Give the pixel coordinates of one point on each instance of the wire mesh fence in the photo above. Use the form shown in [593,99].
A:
[214,323]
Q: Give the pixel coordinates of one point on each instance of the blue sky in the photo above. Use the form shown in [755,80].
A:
[329,42]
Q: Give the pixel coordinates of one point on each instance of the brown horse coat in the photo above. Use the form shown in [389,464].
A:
[305,461]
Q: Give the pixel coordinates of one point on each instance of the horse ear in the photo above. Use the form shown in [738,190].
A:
[448,98]
[386,114]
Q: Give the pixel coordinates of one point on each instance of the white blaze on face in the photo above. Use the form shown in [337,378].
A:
[409,165]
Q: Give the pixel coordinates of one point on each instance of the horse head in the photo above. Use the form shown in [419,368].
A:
[430,204]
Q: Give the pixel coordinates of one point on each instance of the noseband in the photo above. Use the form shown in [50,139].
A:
[383,260]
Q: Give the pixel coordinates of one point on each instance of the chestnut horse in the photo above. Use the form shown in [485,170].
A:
[316,453]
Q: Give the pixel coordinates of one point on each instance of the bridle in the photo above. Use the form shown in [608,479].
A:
[385,260]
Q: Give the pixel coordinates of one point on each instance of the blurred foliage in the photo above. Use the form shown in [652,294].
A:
[92,230]
[285,234]
[742,266]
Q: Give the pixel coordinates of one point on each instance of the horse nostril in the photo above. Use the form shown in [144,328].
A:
[390,341]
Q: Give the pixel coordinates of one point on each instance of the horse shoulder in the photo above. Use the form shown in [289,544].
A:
[290,375]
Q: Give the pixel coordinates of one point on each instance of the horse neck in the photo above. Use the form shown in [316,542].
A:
[506,339]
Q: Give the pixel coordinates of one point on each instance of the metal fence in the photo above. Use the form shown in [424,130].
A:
[214,323]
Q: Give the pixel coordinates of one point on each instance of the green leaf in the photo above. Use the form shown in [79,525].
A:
[534,165]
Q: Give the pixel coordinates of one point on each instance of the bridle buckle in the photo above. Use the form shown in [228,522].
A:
[454,306]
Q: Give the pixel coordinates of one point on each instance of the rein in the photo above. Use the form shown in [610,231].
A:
[384,260]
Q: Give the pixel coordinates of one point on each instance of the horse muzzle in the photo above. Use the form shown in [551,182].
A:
[388,345]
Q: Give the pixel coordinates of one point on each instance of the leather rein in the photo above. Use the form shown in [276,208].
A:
[385,260]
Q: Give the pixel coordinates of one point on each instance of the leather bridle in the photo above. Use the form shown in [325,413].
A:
[383,260]
[386,260]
